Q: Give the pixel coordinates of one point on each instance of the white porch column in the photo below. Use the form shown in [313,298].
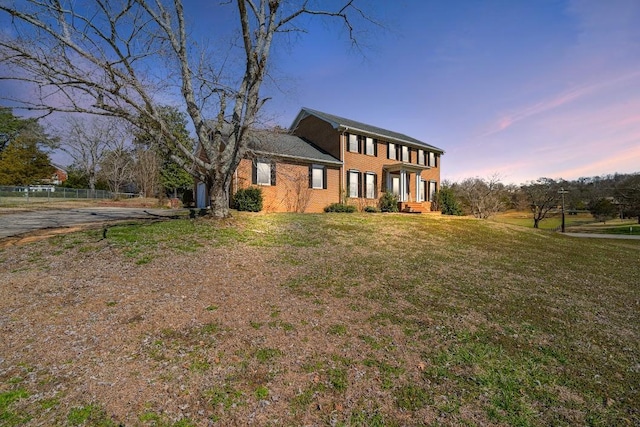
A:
[418,182]
[403,186]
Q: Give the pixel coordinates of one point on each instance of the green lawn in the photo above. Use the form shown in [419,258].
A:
[434,321]
[552,222]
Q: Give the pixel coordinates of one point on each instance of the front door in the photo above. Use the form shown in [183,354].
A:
[201,196]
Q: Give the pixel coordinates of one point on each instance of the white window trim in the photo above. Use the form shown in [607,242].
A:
[391,151]
[422,190]
[319,169]
[405,150]
[354,184]
[373,185]
[369,147]
[352,138]
[266,166]
[432,190]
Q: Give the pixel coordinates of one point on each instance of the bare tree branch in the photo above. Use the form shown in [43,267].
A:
[117,58]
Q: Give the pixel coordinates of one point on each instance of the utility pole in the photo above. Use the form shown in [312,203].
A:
[562,191]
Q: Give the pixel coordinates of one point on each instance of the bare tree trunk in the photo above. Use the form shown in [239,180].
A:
[92,183]
[219,201]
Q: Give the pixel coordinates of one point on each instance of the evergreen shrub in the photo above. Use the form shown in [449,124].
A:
[248,199]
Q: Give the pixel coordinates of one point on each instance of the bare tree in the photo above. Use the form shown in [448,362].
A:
[87,140]
[483,197]
[146,172]
[627,193]
[116,168]
[114,58]
[543,198]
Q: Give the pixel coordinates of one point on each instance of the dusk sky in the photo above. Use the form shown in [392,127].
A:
[522,89]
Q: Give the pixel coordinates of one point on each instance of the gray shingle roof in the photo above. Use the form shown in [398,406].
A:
[346,124]
[284,145]
[288,146]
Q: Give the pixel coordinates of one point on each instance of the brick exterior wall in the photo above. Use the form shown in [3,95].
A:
[291,192]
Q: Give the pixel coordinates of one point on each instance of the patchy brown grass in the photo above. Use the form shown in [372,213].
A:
[320,320]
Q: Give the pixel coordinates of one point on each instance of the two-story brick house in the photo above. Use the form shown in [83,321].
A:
[374,160]
[328,159]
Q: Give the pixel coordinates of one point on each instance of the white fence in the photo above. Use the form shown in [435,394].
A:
[50,192]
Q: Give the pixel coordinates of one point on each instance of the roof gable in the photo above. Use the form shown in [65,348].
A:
[343,124]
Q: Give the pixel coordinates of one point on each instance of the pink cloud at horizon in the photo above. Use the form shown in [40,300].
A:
[629,160]
[562,99]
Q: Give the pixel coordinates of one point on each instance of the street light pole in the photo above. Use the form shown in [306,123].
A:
[562,191]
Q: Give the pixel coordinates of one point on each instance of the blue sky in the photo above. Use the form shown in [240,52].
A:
[523,89]
[519,88]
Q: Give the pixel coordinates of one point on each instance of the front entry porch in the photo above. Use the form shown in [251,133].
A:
[405,182]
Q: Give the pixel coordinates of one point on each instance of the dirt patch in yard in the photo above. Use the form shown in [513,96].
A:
[41,235]
[209,337]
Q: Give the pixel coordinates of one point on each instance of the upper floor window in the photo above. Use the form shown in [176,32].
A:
[370,147]
[318,176]
[354,143]
[391,151]
[421,157]
[404,154]
[432,159]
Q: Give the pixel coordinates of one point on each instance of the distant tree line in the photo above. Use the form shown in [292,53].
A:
[605,197]
[24,147]
[106,154]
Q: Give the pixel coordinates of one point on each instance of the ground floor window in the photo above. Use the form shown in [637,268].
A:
[433,188]
[353,183]
[318,177]
[370,185]
[264,173]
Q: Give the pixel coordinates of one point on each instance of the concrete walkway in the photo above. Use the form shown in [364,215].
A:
[604,236]
[12,225]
